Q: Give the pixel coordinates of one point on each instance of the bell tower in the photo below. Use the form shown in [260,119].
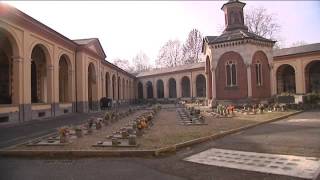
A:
[233,13]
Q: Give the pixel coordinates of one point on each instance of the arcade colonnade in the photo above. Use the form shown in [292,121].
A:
[184,82]
[45,74]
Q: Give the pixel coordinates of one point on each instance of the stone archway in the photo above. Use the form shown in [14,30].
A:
[92,85]
[160,89]
[64,80]
[312,75]
[286,82]
[172,88]
[185,86]
[140,90]
[201,86]
[149,90]
[9,83]
[39,74]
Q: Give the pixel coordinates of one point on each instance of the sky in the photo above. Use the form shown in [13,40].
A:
[125,28]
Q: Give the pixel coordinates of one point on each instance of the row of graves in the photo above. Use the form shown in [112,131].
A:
[189,115]
[68,134]
[248,109]
[127,135]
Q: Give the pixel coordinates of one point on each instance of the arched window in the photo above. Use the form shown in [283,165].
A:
[185,84]
[258,68]
[201,86]
[172,88]
[231,74]
[63,80]
[140,90]
[149,90]
[160,89]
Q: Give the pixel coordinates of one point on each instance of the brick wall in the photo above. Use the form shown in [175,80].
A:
[231,93]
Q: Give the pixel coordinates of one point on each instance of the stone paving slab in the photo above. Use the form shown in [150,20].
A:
[296,166]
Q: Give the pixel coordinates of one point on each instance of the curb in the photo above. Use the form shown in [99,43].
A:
[129,153]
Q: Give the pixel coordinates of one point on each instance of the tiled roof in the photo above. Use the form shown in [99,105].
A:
[171,69]
[297,50]
[234,35]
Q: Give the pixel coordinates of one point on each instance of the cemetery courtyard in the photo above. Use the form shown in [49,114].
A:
[169,126]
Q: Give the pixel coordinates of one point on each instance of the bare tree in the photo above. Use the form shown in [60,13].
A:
[260,22]
[141,62]
[298,43]
[123,64]
[170,55]
[192,47]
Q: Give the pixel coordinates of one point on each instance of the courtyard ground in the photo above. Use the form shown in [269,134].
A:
[167,130]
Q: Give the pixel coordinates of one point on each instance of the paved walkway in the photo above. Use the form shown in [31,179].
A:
[298,135]
[13,134]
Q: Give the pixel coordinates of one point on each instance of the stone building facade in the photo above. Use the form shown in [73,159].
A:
[45,74]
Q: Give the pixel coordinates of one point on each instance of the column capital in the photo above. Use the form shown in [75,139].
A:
[248,65]
[50,67]
[17,58]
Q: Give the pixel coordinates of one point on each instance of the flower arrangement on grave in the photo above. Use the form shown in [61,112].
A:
[230,109]
[261,108]
[107,116]
[78,131]
[63,132]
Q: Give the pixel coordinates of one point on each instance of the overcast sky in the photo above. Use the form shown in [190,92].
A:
[125,28]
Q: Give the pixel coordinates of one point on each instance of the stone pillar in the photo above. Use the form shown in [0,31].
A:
[166,88]
[213,84]
[17,85]
[154,88]
[144,87]
[178,88]
[207,85]
[273,81]
[193,90]
[249,80]
[300,83]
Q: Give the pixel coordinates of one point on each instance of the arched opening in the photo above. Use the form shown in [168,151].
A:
[5,70]
[91,85]
[172,88]
[185,84]
[209,75]
[39,78]
[286,82]
[312,75]
[107,79]
[140,90]
[113,87]
[201,85]
[64,82]
[149,90]
[160,89]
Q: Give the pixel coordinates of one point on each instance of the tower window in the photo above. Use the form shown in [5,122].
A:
[231,74]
